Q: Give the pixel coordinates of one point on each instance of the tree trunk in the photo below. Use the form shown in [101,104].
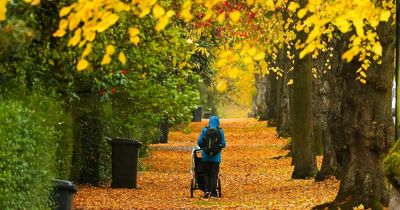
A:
[394,203]
[302,121]
[272,99]
[282,115]
[260,109]
[332,139]
[368,130]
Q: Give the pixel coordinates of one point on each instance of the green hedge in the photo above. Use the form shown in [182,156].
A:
[28,141]
[65,141]
[87,115]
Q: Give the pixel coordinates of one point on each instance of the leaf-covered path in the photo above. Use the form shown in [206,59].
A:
[250,176]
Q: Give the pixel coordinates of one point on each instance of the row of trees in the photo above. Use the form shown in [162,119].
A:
[349,122]
[57,121]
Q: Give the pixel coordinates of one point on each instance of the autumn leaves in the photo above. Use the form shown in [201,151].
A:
[250,176]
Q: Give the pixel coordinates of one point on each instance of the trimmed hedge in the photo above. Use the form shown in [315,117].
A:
[87,115]
[28,141]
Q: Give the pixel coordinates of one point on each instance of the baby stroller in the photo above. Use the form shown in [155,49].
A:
[197,171]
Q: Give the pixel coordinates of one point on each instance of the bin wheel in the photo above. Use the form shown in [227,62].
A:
[191,188]
[219,187]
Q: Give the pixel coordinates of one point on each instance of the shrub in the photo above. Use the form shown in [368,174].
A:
[28,140]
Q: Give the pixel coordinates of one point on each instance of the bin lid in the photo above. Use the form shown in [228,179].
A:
[126,141]
[64,184]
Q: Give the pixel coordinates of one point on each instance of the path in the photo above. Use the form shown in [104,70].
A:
[249,177]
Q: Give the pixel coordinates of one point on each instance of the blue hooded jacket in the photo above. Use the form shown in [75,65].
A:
[213,123]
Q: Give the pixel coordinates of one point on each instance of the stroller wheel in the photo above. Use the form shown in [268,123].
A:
[191,188]
[219,187]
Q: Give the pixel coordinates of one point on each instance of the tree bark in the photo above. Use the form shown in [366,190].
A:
[368,130]
[283,111]
[259,106]
[332,139]
[272,99]
[302,121]
[394,203]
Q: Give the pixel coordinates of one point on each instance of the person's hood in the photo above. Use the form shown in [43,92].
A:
[213,122]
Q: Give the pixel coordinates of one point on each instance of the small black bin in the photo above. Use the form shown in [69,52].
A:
[197,114]
[164,128]
[125,155]
[63,194]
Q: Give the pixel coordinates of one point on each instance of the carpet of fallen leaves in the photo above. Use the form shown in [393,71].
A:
[250,176]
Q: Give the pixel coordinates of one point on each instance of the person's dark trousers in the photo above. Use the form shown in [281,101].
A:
[211,170]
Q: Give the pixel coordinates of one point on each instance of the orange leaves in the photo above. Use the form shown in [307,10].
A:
[250,178]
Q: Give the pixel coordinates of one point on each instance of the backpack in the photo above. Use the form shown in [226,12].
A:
[212,141]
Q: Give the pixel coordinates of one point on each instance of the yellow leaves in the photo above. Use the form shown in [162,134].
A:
[202,50]
[65,11]
[359,207]
[290,82]
[293,6]
[87,50]
[371,36]
[351,53]
[301,13]
[363,81]
[106,60]
[222,85]
[119,6]
[110,49]
[74,20]
[122,58]
[82,64]
[221,62]
[362,73]
[145,6]
[145,11]
[163,21]
[221,18]
[107,20]
[59,33]
[234,16]
[3,9]
[299,26]
[314,34]
[384,16]
[158,11]
[308,49]
[133,34]
[259,56]
[250,2]
[359,25]
[76,38]
[63,24]
[377,49]
[61,28]
[233,73]
[185,11]
[32,2]
[342,24]
[252,51]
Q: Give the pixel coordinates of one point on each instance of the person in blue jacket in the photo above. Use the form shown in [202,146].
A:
[211,163]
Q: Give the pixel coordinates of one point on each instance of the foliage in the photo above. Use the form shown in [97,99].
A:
[88,118]
[391,165]
[65,141]
[28,144]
